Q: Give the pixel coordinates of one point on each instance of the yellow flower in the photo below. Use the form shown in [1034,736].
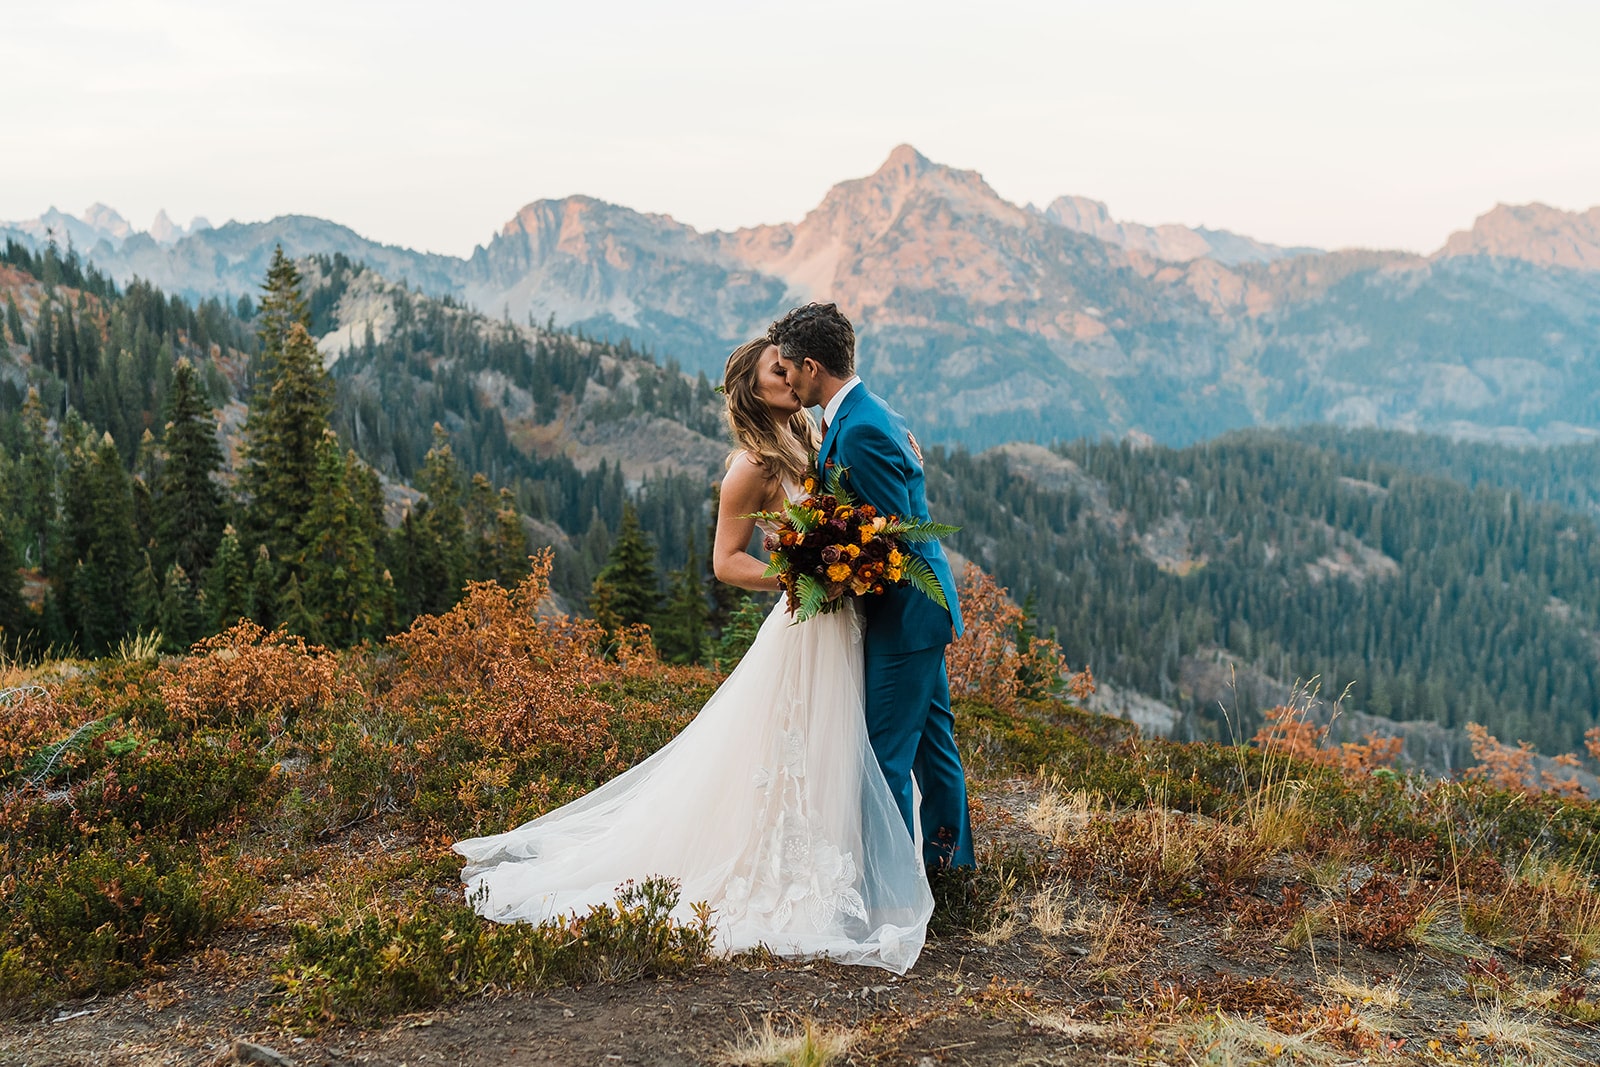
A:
[843,512]
[893,574]
[811,485]
[839,572]
[895,558]
[852,550]
[866,534]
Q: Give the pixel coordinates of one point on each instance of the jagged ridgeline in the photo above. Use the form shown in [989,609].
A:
[109,409]
[1218,572]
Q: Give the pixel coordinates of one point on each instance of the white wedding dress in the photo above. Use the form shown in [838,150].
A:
[769,806]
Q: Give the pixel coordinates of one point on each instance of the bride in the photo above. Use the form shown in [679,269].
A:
[769,806]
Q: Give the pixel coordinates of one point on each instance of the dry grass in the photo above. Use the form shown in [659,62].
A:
[1226,1040]
[1048,911]
[1111,929]
[1060,817]
[811,1045]
[1530,1040]
[1385,996]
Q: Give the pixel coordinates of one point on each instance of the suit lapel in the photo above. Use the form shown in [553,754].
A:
[845,406]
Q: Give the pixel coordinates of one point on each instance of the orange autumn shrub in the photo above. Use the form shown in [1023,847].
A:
[1289,732]
[1512,770]
[985,662]
[492,712]
[248,674]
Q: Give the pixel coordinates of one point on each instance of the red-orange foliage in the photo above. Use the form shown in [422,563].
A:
[247,674]
[1288,732]
[985,663]
[1512,769]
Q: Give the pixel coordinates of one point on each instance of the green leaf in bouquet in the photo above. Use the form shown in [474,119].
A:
[777,518]
[813,597]
[835,486]
[918,532]
[775,566]
[920,577]
[801,518]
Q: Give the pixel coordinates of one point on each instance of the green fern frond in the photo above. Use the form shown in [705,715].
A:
[813,597]
[777,517]
[775,567]
[921,578]
[919,532]
[801,518]
[836,488]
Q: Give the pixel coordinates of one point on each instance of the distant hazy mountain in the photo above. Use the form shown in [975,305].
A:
[1533,233]
[1178,244]
[993,322]
[97,225]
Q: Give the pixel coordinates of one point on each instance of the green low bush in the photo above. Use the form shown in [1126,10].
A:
[366,966]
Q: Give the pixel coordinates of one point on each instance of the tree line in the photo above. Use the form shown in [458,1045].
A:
[151,536]
[1439,601]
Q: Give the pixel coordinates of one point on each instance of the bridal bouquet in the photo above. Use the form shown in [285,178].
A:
[827,547]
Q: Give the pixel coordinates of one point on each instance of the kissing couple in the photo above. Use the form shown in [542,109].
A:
[821,781]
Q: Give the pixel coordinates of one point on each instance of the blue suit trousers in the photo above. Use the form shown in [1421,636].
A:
[913,733]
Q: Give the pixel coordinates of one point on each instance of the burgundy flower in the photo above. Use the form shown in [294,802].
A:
[770,543]
[831,554]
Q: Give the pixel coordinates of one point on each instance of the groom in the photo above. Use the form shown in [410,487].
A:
[907,689]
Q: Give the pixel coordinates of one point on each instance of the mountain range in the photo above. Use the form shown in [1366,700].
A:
[990,322]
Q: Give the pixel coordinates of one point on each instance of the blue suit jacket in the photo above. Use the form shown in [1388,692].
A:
[870,440]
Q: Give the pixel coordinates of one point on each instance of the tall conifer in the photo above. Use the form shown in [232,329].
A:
[187,500]
[627,584]
[282,436]
[341,589]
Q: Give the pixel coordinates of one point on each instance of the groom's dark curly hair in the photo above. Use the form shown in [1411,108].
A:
[819,332]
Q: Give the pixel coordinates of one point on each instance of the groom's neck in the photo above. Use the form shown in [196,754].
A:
[830,389]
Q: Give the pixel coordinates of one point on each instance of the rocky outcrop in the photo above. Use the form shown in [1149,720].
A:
[1533,233]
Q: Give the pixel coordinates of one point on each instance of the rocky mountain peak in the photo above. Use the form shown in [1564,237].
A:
[107,220]
[1536,233]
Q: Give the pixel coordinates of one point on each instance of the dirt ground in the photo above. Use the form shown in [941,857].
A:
[1131,983]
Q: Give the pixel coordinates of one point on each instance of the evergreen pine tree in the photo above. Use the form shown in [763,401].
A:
[35,479]
[264,589]
[187,501]
[480,523]
[16,623]
[227,596]
[282,307]
[509,558]
[178,617]
[282,436]
[680,633]
[144,598]
[740,632]
[629,576]
[341,588]
[439,524]
[102,598]
[14,322]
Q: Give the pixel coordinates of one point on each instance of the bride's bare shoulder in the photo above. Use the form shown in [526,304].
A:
[747,478]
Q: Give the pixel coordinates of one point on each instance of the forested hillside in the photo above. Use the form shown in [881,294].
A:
[1449,582]
[339,504]
[1438,601]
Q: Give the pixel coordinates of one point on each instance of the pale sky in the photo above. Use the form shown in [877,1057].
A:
[1342,123]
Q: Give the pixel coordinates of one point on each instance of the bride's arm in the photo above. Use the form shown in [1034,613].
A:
[745,489]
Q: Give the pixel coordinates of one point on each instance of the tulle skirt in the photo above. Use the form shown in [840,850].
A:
[769,806]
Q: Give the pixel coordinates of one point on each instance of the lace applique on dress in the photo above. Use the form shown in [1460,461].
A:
[796,875]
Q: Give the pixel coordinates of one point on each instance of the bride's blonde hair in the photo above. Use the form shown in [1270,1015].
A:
[782,448]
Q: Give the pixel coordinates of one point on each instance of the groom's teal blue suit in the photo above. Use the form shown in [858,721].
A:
[907,690]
